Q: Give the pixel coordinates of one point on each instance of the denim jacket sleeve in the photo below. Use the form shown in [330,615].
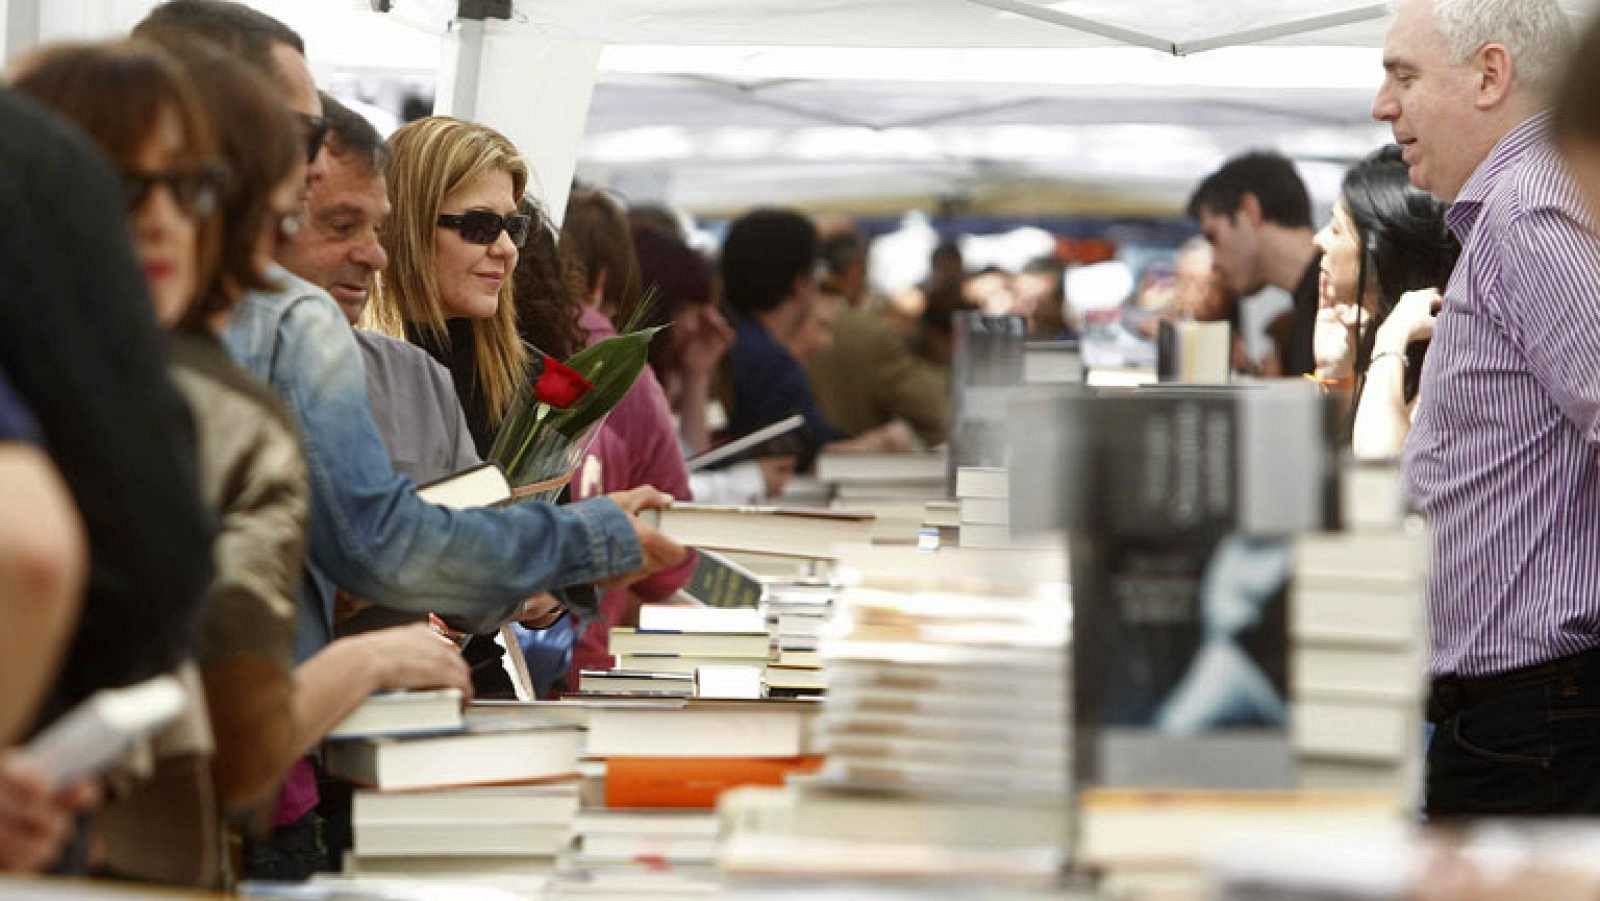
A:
[372,535]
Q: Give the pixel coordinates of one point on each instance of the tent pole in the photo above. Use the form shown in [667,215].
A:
[1078,23]
[747,94]
[23,26]
[532,87]
[1285,29]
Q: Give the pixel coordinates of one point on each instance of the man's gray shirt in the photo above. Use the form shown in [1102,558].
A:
[418,414]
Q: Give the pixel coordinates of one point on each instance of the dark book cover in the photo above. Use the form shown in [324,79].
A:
[719,582]
[1180,661]
[1182,507]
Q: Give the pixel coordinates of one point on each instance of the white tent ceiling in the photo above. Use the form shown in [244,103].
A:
[725,102]
[943,23]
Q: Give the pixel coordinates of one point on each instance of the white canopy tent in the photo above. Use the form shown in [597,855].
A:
[722,103]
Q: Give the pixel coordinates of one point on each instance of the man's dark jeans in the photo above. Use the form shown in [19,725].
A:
[1527,748]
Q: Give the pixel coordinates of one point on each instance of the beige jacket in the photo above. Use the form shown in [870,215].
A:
[253,474]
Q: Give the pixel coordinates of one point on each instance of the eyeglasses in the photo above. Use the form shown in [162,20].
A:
[196,190]
[484,227]
[316,129]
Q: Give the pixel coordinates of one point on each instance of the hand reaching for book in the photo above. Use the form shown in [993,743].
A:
[35,822]
[645,497]
[660,552]
[413,656]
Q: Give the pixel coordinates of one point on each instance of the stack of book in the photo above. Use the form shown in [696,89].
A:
[984,496]
[895,488]
[908,476]
[682,839]
[684,651]
[946,735]
[1358,662]
[490,797]
[682,755]
[797,613]
[652,832]
[942,518]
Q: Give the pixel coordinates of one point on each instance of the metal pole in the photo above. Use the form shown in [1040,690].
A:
[23,26]
[1078,23]
[1285,29]
[467,70]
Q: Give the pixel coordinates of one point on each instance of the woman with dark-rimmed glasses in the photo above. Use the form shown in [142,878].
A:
[214,166]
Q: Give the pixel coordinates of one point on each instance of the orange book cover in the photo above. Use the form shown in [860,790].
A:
[693,781]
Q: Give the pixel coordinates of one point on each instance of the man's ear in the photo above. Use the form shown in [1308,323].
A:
[1496,72]
[1250,209]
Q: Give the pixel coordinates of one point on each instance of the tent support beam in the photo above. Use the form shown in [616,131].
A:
[1078,23]
[1284,29]
[532,87]
[466,68]
[748,94]
[23,26]
[966,112]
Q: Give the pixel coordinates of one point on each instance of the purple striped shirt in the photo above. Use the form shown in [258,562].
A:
[1503,457]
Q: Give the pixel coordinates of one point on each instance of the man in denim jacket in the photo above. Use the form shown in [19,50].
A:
[369,532]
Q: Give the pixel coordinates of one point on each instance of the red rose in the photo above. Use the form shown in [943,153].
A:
[557,384]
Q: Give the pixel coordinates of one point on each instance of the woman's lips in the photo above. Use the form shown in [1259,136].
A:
[158,270]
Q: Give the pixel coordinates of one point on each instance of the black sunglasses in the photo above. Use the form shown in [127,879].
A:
[316,129]
[484,227]
[196,190]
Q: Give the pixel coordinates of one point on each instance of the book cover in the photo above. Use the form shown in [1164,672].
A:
[693,782]
[484,485]
[1176,460]
[709,620]
[795,532]
[719,582]
[765,441]
[1180,661]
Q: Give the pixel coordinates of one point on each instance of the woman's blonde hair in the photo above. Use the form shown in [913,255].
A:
[432,158]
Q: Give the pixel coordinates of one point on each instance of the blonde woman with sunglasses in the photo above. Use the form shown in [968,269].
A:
[453,242]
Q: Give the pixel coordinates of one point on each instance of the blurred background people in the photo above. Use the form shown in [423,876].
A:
[862,372]
[1255,213]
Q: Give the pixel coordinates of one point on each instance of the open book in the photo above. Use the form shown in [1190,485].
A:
[484,485]
[747,446]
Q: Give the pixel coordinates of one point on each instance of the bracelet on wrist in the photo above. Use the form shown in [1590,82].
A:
[1405,362]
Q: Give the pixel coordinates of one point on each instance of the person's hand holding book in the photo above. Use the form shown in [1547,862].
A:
[412,657]
[35,821]
[660,552]
[645,497]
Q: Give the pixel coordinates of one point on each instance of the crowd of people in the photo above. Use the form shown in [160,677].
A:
[241,327]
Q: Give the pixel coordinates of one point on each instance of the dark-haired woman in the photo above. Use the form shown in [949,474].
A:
[171,119]
[1386,258]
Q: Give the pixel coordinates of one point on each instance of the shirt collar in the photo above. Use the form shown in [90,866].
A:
[1463,214]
